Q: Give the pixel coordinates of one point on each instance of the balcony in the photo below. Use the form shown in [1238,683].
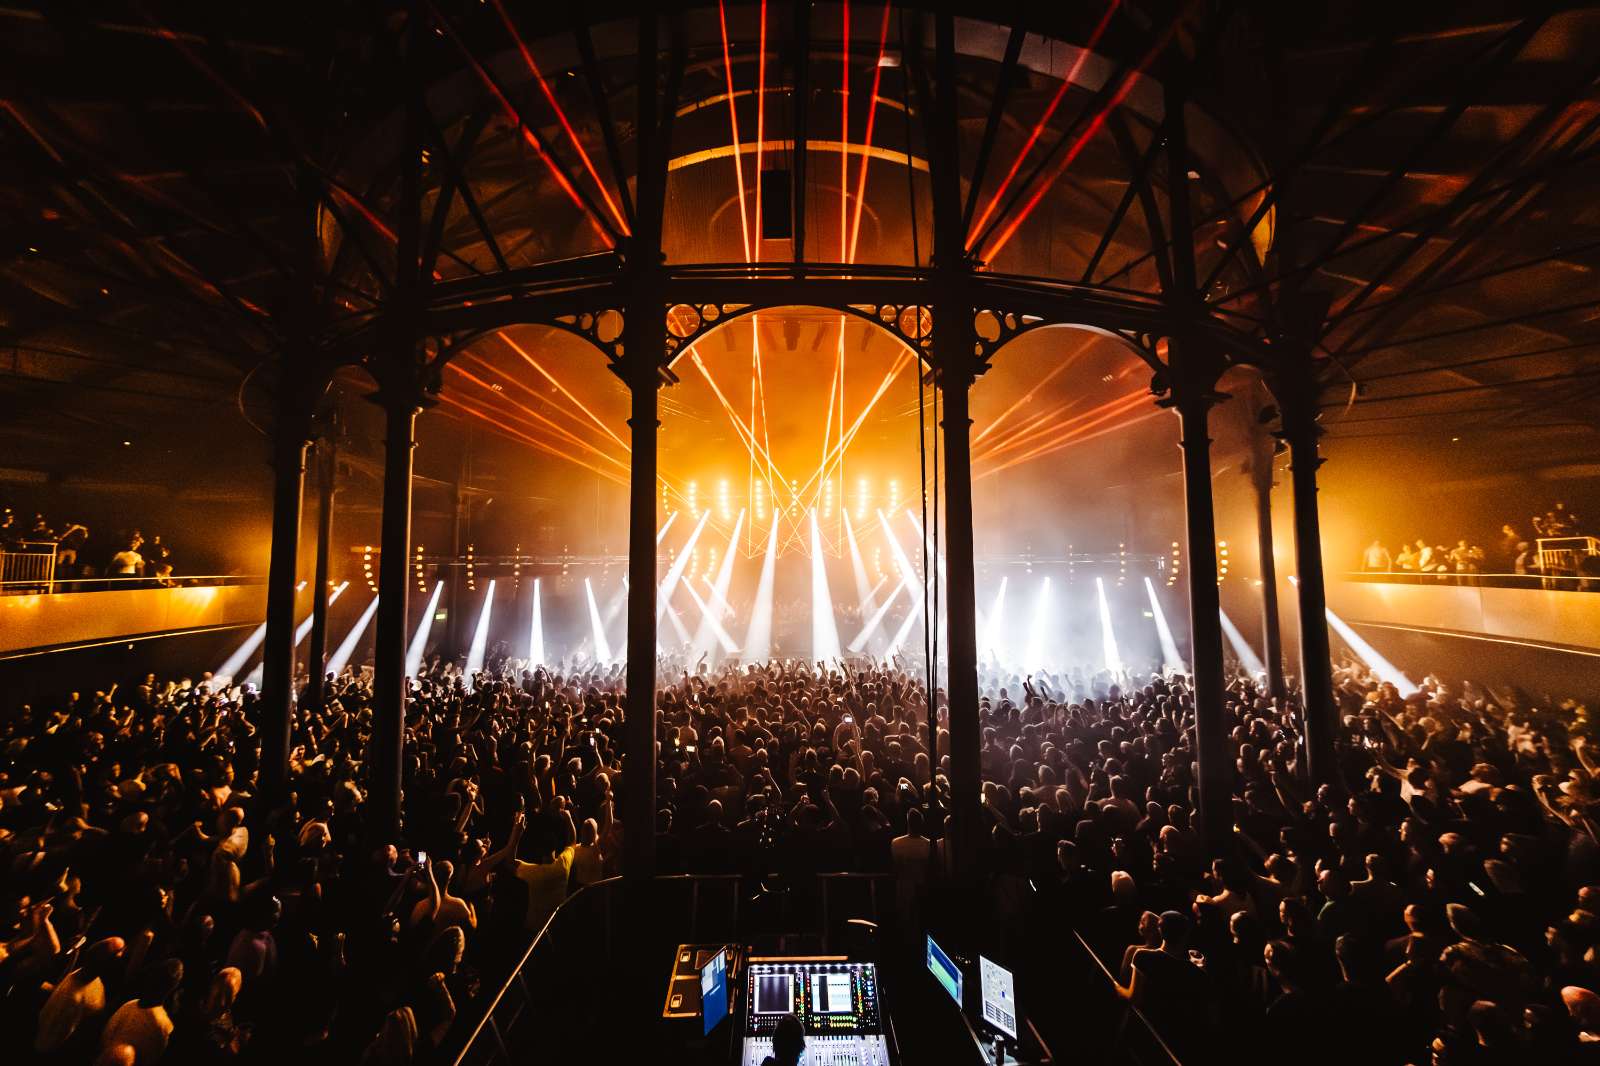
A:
[1557,612]
[102,610]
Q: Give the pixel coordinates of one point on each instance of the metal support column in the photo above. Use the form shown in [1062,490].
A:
[1195,367]
[956,368]
[644,343]
[1271,634]
[402,372]
[1205,626]
[291,436]
[389,650]
[1300,431]
[317,652]
[961,626]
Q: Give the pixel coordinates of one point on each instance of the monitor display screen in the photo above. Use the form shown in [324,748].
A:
[714,990]
[830,994]
[999,996]
[774,993]
[944,970]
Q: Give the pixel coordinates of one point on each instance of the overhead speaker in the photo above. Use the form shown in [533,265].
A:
[777,213]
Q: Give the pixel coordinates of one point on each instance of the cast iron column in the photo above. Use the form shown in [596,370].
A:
[1195,366]
[1300,431]
[402,372]
[644,345]
[961,627]
[956,367]
[400,406]
[1205,622]
[639,840]
[291,435]
[1271,635]
[317,654]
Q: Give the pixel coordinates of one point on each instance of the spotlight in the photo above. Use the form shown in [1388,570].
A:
[1108,639]
[419,641]
[877,619]
[1386,670]
[602,648]
[858,568]
[536,631]
[347,647]
[1033,658]
[991,631]
[662,532]
[709,626]
[1241,647]
[480,635]
[824,631]
[758,637]
[675,571]
[1170,659]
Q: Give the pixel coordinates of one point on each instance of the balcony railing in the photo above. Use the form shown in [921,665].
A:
[34,585]
[31,567]
[1469,579]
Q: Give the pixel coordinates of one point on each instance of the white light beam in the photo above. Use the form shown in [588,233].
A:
[602,648]
[419,642]
[347,647]
[824,629]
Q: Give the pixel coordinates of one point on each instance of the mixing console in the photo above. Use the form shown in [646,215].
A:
[836,1002]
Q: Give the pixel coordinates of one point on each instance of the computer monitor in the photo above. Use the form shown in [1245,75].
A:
[944,970]
[999,996]
[714,990]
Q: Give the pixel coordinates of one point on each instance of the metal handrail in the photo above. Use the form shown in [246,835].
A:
[1460,577]
[174,581]
[515,972]
[1132,1007]
[39,565]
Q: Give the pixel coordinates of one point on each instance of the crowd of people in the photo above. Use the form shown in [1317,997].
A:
[1513,553]
[125,557]
[1444,901]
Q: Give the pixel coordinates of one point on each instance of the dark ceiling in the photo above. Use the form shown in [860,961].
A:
[187,191]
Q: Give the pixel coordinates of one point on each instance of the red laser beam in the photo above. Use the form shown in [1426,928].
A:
[733,122]
[1060,424]
[1067,443]
[541,419]
[761,387]
[1027,425]
[761,123]
[1038,127]
[746,435]
[833,392]
[527,57]
[526,438]
[1041,383]
[1089,131]
[1067,427]
[844,137]
[533,139]
[883,386]
[872,114]
[489,367]
[205,68]
[531,361]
